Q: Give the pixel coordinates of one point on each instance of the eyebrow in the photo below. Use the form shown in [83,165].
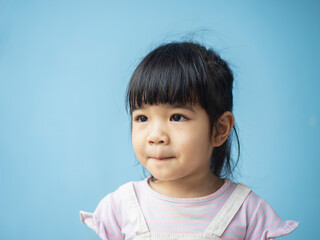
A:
[187,107]
[137,108]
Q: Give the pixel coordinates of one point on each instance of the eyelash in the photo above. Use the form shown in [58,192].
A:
[180,116]
[139,117]
[142,118]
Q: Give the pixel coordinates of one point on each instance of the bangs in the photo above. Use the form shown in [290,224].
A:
[170,74]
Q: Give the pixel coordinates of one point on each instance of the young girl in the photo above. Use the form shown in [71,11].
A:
[180,100]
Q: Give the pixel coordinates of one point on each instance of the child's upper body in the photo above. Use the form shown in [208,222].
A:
[188,218]
[180,99]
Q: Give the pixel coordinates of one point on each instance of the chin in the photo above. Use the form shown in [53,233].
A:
[164,177]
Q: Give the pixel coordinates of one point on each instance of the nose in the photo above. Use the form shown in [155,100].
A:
[158,135]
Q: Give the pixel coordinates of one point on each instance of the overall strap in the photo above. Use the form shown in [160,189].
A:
[228,211]
[133,209]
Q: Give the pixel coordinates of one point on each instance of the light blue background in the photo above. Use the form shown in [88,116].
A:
[64,132]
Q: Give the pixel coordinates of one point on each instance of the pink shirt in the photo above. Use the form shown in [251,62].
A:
[254,220]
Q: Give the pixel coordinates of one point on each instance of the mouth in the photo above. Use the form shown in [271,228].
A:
[161,158]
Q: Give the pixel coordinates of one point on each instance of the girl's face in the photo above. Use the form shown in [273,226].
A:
[172,142]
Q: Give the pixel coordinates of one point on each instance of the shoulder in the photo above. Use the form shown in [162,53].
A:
[109,220]
[252,201]
[254,206]
[261,220]
[117,197]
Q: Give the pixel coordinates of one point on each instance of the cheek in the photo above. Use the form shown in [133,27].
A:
[137,142]
[195,143]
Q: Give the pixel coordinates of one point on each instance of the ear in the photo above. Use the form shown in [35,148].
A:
[222,129]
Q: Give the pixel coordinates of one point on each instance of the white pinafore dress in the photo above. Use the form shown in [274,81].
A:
[215,229]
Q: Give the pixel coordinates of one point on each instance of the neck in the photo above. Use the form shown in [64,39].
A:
[197,186]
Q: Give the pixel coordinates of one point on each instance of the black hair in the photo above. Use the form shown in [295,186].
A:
[187,73]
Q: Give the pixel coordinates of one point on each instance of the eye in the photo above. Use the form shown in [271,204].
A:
[141,118]
[178,118]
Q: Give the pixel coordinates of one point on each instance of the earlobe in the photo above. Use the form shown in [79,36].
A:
[222,128]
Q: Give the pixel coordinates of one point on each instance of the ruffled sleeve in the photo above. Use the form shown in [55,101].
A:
[264,223]
[104,220]
[280,231]
[94,223]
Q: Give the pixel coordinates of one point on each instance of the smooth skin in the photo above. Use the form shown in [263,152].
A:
[174,144]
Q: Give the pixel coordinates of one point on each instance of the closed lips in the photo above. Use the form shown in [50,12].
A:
[161,158]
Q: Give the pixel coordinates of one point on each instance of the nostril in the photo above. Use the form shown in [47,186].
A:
[156,141]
